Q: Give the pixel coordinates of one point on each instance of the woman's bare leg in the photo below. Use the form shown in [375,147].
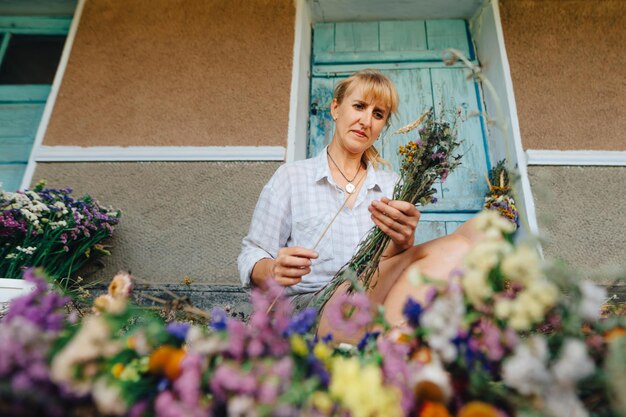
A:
[443,256]
[391,287]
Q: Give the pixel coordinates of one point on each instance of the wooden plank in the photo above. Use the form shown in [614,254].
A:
[429,230]
[4,44]
[339,57]
[37,93]
[15,149]
[443,34]
[415,96]
[403,36]
[447,216]
[356,37]
[452,226]
[53,25]
[323,38]
[11,176]
[321,125]
[17,120]
[465,188]
[331,70]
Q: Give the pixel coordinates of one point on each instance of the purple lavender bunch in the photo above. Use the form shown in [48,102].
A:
[27,333]
[48,227]
[39,307]
[263,335]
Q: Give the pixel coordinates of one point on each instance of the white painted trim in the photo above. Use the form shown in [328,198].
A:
[491,51]
[300,80]
[584,158]
[56,85]
[158,153]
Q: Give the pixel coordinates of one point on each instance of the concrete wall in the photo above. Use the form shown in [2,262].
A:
[568,63]
[581,214]
[177,72]
[178,219]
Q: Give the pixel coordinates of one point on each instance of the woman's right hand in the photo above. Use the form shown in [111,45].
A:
[291,264]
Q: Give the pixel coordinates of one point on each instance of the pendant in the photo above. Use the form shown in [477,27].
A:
[349,188]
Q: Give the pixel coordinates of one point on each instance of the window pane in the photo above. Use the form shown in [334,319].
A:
[31,59]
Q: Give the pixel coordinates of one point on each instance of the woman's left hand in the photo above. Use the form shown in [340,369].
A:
[397,219]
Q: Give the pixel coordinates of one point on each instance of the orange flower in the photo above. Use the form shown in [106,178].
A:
[422,355]
[117,369]
[478,409]
[166,360]
[433,409]
[614,333]
[429,391]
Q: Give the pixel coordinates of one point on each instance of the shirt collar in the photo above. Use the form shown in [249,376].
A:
[323,171]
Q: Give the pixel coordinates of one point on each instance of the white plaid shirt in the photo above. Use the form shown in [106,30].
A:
[294,208]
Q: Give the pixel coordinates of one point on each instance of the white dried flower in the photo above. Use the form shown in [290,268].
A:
[522,265]
[574,363]
[526,369]
[108,398]
[593,296]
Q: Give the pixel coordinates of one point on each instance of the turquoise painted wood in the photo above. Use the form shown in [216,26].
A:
[11,176]
[388,41]
[20,119]
[21,106]
[409,52]
[465,188]
[15,149]
[37,93]
[35,25]
[428,230]
[443,34]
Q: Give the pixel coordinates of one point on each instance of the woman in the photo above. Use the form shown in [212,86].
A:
[302,197]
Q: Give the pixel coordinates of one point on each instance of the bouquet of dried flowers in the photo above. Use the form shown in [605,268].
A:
[48,227]
[499,339]
[500,194]
[429,158]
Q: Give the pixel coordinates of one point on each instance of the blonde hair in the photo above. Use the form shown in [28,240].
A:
[377,87]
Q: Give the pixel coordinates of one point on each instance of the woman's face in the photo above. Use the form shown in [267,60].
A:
[358,121]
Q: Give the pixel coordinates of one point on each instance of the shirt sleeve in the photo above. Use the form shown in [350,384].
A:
[270,227]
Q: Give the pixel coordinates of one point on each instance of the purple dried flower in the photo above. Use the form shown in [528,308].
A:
[218,319]
[349,313]
[302,322]
[39,307]
[412,311]
[397,371]
[178,330]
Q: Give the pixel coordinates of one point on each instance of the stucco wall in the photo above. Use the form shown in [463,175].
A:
[567,63]
[178,219]
[177,72]
[580,211]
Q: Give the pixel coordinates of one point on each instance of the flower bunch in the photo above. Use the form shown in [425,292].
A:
[49,228]
[457,355]
[500,336]
[500,197]
[27,333]
[422,162]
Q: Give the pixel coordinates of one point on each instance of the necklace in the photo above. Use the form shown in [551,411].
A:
[349,186]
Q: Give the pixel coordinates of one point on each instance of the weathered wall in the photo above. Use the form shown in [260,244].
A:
[581,214]
[177,72]
[567,63]
[178,219]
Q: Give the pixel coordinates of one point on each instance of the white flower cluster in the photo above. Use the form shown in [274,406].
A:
[528,372]
[29,204]
[27,251]
[520,265]
[593,297]
[443,320]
